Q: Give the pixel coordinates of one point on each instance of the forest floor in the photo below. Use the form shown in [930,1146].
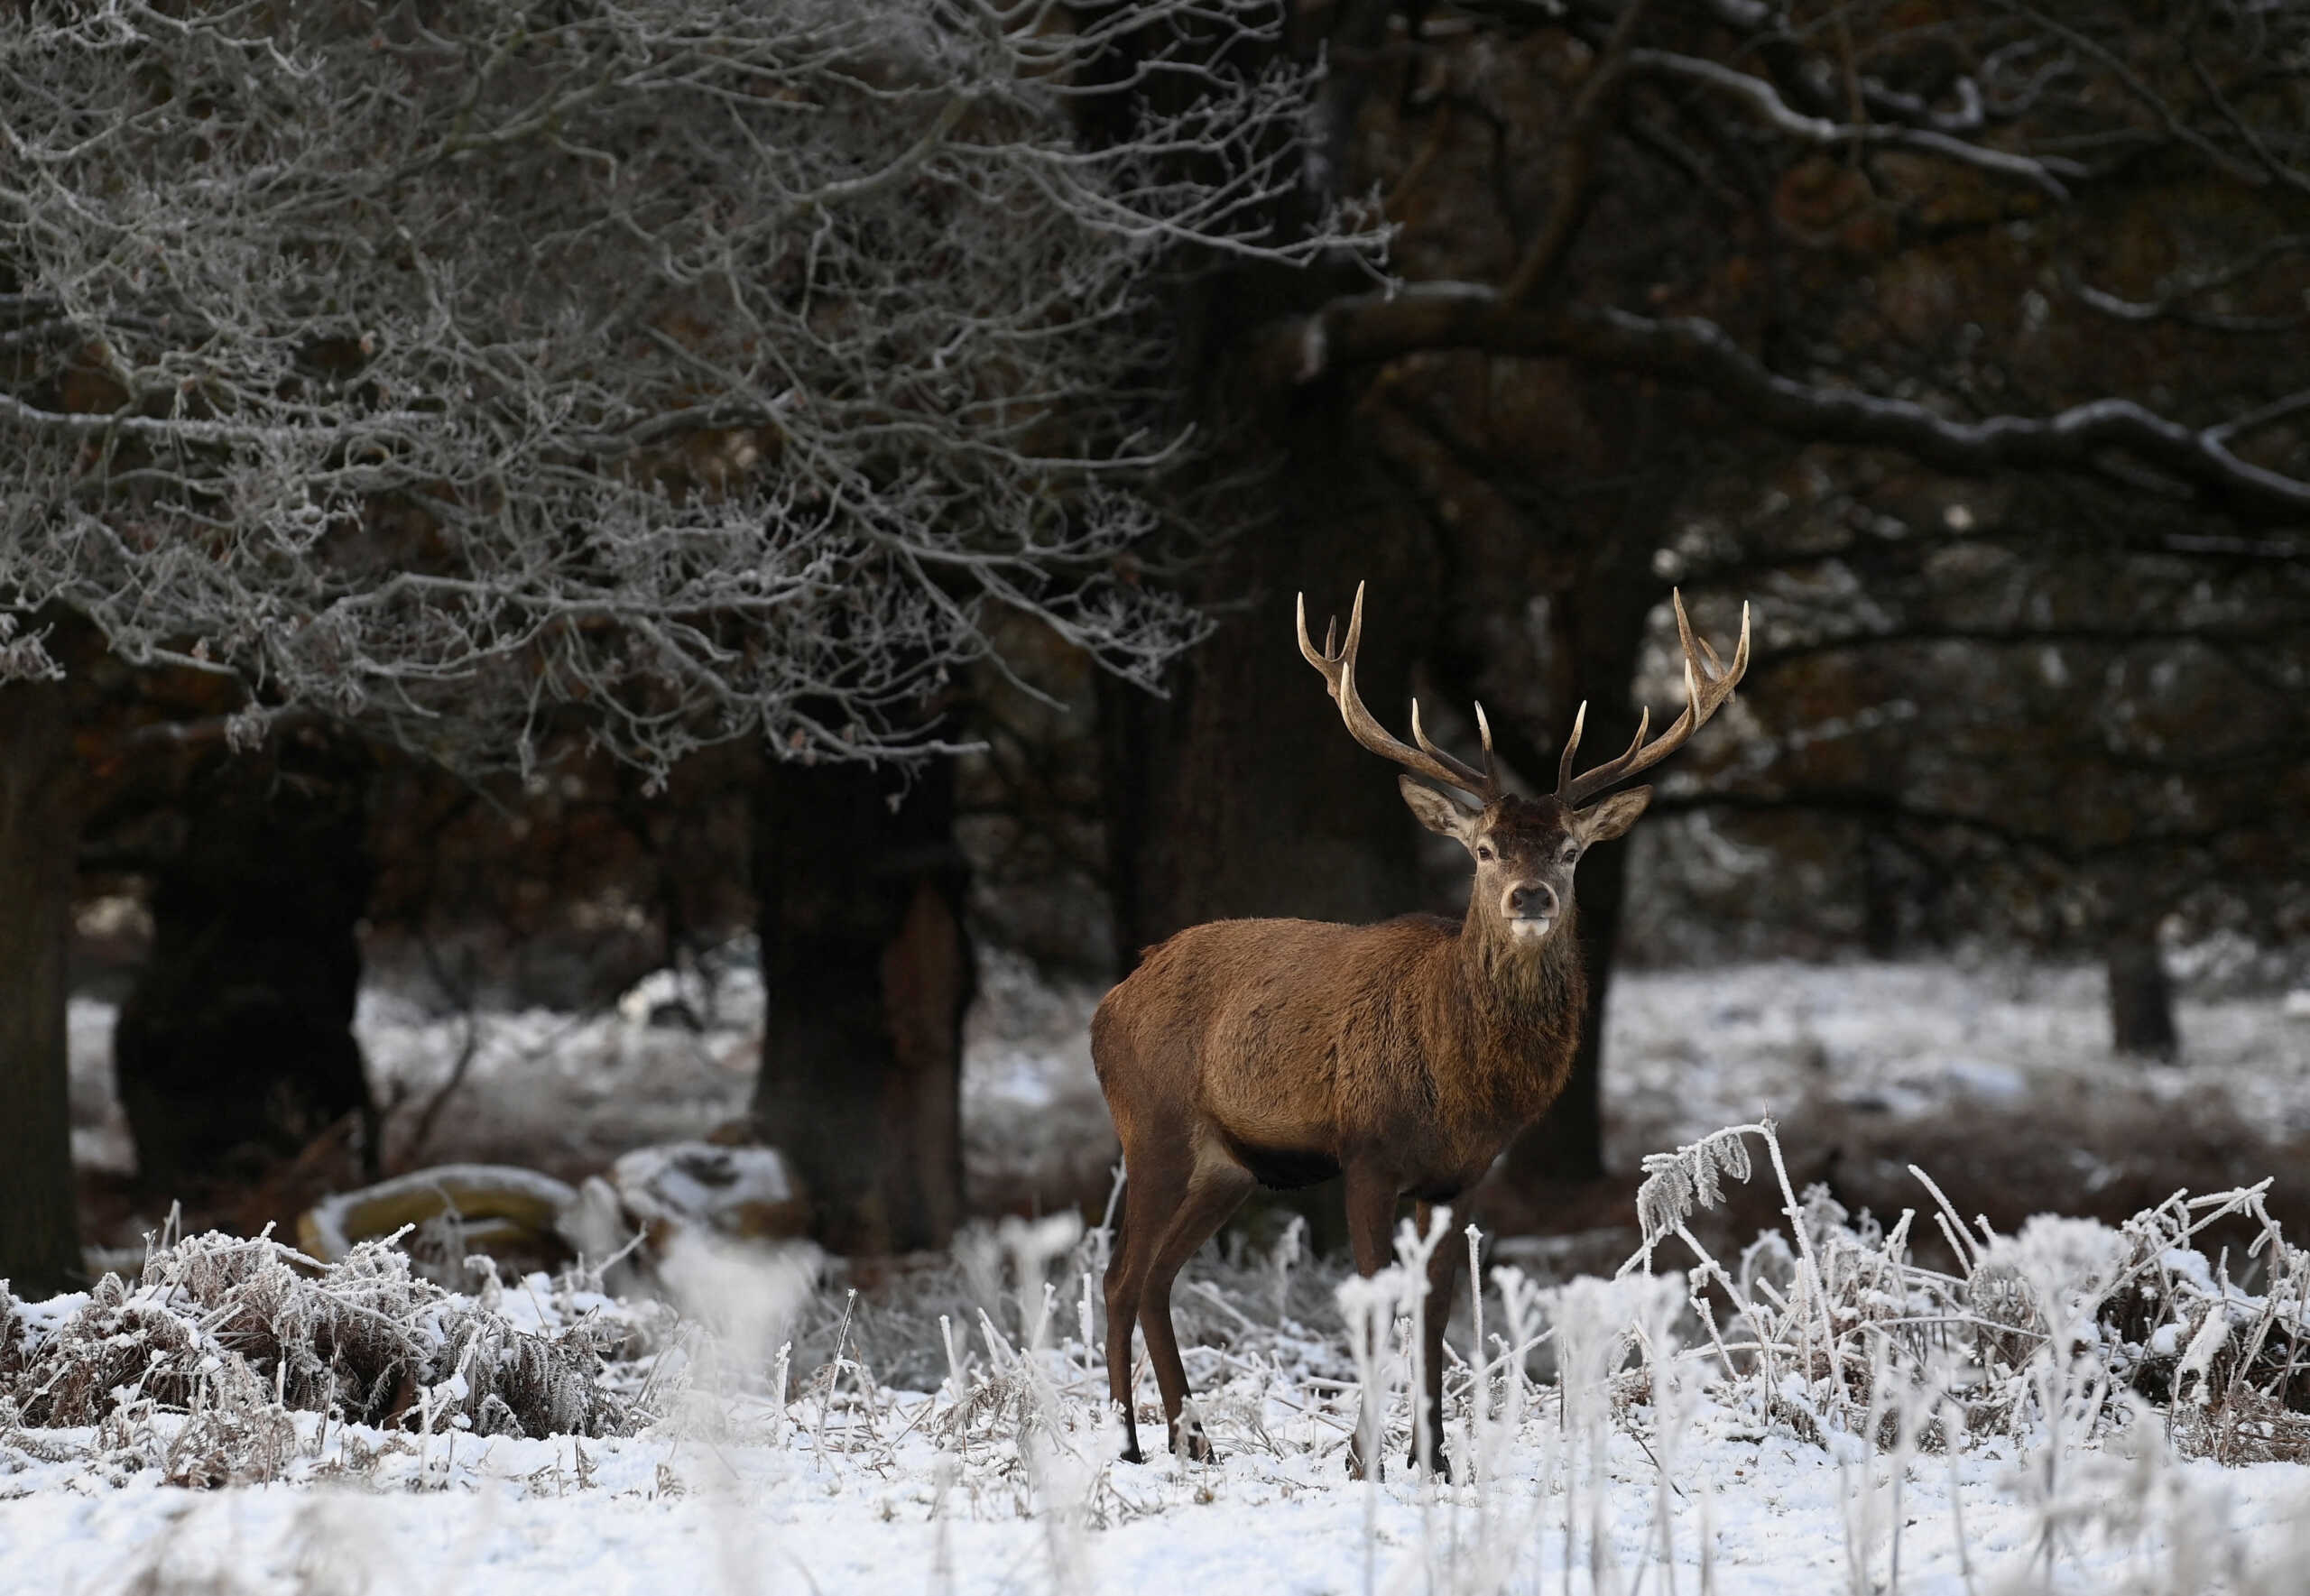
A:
[1998,1078]
[899,1448]
[1749,1513]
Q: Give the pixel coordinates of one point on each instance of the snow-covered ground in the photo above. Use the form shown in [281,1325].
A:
[1002,1476]
[655,1515]
[1886,1044]
[1620,1471]
[1689,1050]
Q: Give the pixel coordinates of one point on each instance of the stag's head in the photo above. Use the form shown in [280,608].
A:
[1526,849]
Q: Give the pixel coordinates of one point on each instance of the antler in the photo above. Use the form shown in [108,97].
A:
[1427,760]
[1708,683]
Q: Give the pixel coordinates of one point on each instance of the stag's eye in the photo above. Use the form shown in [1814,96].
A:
[1485,854]
[1571,853]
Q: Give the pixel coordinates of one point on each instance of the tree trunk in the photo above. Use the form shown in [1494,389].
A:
[234,1051]
[2142,994]
[1241,795]
[1567,1145]
[868,972]
[1600,628]
[40,1239]
[1882,890]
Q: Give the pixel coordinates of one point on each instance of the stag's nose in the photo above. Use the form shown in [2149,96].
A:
[1533,900]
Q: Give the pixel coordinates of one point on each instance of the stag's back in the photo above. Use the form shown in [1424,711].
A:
[1275,1035]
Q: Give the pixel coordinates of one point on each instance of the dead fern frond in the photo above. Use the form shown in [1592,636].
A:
[1692,1176]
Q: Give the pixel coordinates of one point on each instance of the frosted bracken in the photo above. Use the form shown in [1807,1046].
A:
[2072,1407]
[2052,1412]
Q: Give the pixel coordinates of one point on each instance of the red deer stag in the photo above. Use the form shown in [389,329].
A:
[1403,1056]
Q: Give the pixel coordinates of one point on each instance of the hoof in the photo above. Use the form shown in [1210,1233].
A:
[1131,1454]
[1195,1447]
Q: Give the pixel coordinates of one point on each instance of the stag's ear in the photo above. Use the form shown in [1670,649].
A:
[1438,811]
[1601,822]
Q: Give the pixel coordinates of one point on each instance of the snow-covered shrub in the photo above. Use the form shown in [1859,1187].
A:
[223,1336]
[13,1349]
[2068,1382]
[2034,1334]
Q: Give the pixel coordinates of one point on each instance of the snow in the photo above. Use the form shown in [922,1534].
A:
[1693,1050]
[899,1514]
[698,1182]
[1688,1050]
[849,1485]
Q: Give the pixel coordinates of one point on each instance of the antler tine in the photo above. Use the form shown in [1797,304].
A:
[1420,735]
[1338,670]
[1571,747]
[1708,683]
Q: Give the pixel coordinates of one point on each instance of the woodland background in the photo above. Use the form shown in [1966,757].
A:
[419,570]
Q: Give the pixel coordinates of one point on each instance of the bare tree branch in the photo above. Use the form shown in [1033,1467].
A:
[1368,329]
[2044,173]
[2174,296]
[724,369]
[1599,96]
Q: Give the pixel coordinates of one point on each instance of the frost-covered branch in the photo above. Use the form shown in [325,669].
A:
[1763,102]
[719,368]
[1366,329]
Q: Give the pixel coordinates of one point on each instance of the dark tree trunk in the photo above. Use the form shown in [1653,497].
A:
[1882,890]
[234,1051]
[2142,994]
[1241,795]
[868,971]
[40,1241]
[1600,628]
[1244,795]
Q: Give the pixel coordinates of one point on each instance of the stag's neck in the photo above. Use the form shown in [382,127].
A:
[1523,1007]
[1513,970]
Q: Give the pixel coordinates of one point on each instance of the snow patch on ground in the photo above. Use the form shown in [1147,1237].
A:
[784,1462]
[664,1513]
[1685,1051]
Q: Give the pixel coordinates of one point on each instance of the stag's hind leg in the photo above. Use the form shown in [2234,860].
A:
[1371,1216]
[1216,1189]
[1154,1188]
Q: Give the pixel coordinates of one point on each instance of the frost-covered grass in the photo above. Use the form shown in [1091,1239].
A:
[1818,1413]
[1864,1404]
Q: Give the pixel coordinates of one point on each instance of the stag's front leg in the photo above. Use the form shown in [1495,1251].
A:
[1370,1214]
[1436,1312]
